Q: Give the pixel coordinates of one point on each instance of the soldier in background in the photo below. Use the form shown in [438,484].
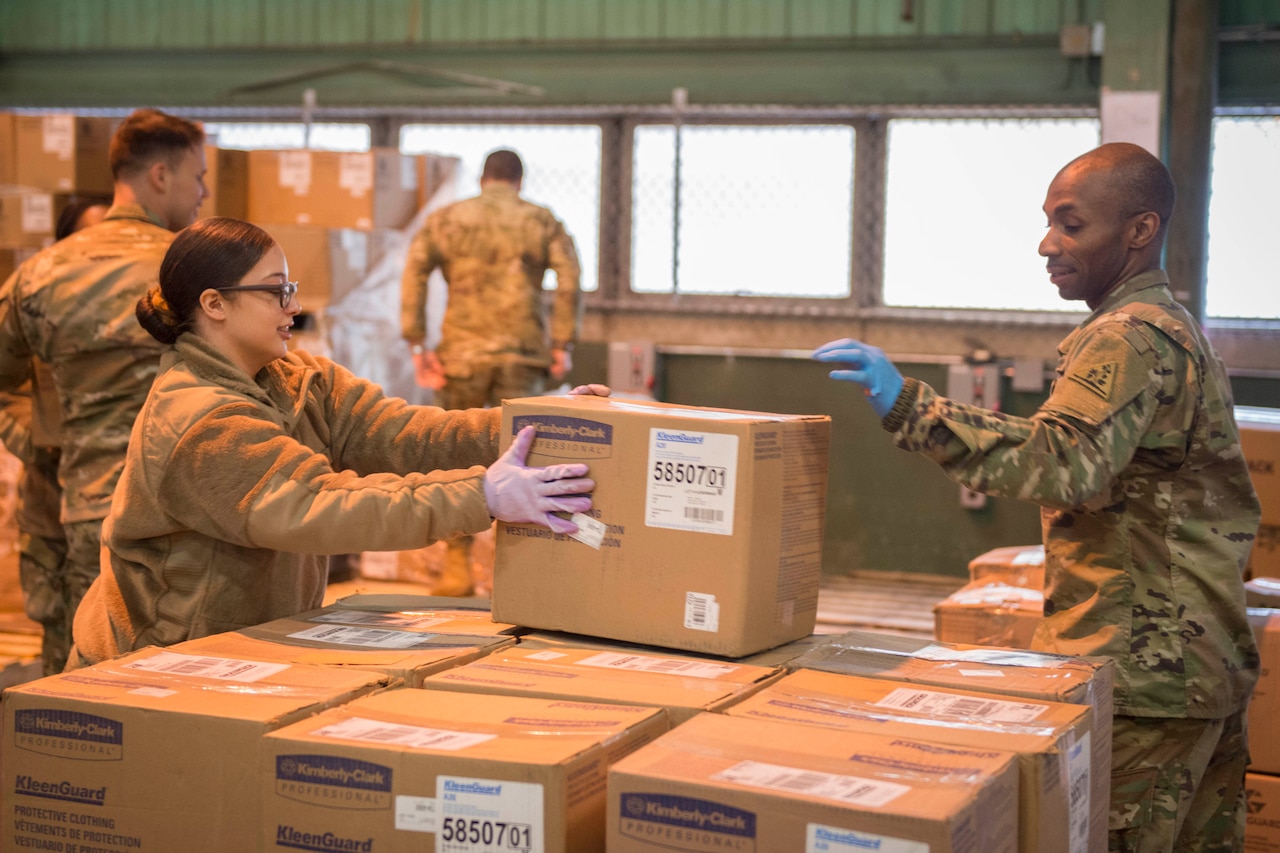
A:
[72,307]
[30,427]
[493,251]
[1146,504]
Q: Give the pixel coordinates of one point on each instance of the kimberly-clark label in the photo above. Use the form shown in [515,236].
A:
[833,839]
[488,816]
[68,734]
[686,823]
[692,479]
[333,781]
[563,437]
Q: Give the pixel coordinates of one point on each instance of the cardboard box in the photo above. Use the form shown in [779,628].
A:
[1264,707]
[155,750]
[1262,823]
[440,614]
[684,686]
[333,189]
[779,656]
[1019,565]
[402,646]
[329,263]
[64,153]
[722,542]
[1262,592]
[11,259]
[1260,442]
[731,783]
[1264,558]
[990,612]
[1007,672]
[8,160]
[227,181]
[417,770]
[1051,739]
[27,218]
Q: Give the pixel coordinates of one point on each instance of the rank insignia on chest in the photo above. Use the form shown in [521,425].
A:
[1098,378]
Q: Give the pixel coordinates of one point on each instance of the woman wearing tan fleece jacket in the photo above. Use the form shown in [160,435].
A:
[249,463]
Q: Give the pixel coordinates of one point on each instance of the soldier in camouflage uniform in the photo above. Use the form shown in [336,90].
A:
[1147,508]
[493,251]
[72,306]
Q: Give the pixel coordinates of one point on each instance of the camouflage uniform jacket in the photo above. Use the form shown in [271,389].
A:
[73,305]
[233,486]
[493,251]
[1147,509]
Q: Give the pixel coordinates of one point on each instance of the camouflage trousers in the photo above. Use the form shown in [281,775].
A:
[1178,785]
[42,551]
[56,574]
[483,385]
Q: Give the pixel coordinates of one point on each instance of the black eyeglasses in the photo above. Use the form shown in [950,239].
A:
[285,291]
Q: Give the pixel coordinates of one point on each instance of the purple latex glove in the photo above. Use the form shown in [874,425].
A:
[523,495]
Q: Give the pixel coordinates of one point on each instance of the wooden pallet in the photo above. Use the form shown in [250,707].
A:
[892,602]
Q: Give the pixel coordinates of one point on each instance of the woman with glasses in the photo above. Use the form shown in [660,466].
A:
[249,463]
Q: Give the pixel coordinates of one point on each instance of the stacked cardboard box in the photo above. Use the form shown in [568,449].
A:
[333,189]
[156,750]
[63,153]
[1262,832]
[1051,739]
[329,263]
[409,770]
[722,542]
[734,783]
[1260,441]
[990,612]
[1007,672]
[227,180]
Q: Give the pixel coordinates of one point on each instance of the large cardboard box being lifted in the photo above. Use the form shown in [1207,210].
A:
[333,189]
[732,783]
[684,686]
[155,750]
[420,770]
[64,153]
[1052,739]
[1008,672]
[709,525]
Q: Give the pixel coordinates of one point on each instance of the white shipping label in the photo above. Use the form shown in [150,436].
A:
[1079,790]
[995,657]
[833,839]
[403,619]
[672,666]
[590,532]
[376,638]
[355,245]
[701,612]
[932,704]
[489,816]
[408,173]
[355,173]
[59,136]
[37,213]
[692,481]
[201,666]
[828,786]
[295,171]
[417,814]
[416,737]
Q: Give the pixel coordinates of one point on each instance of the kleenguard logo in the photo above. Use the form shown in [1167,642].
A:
[69,734]
[685,823]
[320,842]
[563,437]
[61,789]
[333,782]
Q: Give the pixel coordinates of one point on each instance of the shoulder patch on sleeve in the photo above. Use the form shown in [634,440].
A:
[1098,378]
[1104,373]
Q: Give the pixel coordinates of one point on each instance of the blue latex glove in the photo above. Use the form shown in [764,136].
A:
[866,365]
[525,495]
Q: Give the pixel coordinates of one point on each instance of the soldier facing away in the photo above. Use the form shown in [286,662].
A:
[72,306]
[493,251]
[1147,509]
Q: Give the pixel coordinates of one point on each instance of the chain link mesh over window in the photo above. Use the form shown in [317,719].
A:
[561,172]
[755,211]
[963,210]
[1242,222]
[256,135]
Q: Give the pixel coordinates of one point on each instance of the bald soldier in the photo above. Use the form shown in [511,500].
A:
[72,306]
[1147,510]
[496,341]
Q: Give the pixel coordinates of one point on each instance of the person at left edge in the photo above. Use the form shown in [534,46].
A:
[72,307]
[249,462]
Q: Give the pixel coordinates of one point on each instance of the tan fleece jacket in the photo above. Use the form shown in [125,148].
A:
[234,489]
